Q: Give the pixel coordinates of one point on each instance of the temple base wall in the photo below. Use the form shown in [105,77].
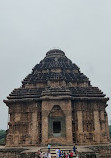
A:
[101,151]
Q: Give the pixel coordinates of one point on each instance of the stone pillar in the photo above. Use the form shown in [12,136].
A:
[103,128]
[80,125]
[44,123]
[34,130]
[97,126]
[107,129]
[69,124]
[102,115]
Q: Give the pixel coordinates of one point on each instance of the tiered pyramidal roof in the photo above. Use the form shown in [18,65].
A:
[55,73]
[55,59]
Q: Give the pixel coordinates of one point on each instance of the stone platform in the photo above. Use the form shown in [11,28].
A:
[98,151]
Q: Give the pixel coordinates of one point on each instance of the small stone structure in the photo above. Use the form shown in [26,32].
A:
[56,104]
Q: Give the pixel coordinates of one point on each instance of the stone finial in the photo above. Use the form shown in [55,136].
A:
[55,52]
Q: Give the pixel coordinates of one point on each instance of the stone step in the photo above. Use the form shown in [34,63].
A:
[53,150]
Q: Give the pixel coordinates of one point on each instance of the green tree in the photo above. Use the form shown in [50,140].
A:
[110,130]
[2,137]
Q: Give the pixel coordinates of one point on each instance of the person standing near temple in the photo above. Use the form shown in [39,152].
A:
[41,155]
[74,149]
[71,154]
[45,155]
[49,146]
[57,153]
[49,155]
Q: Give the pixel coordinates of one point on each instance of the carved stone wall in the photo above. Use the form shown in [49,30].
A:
[89,122]
[24,124]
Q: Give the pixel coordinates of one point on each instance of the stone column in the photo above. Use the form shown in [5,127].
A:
[44,123]
[102,121]
[102,115]
[80,126]
[34,131]
[107,129]
[69,124]
[97,126]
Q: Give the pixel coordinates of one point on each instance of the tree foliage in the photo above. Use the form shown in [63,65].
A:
[2,137]
[110,130]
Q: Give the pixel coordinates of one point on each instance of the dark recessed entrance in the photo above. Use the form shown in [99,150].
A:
[57,127]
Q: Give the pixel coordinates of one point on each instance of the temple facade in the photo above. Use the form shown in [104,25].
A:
[56,104]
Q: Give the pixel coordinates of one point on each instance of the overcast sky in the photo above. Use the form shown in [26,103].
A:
[29,28]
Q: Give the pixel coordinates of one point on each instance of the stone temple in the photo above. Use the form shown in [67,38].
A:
[56,104]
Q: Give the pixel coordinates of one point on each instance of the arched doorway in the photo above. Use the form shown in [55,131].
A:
[56,122]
